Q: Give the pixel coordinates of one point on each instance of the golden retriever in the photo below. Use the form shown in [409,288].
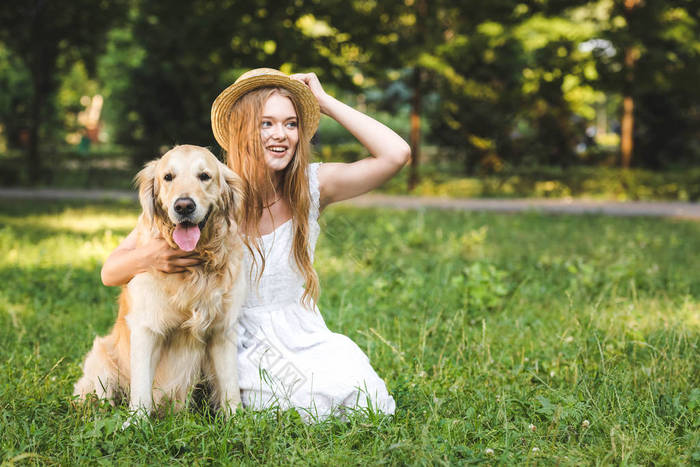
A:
[174,328]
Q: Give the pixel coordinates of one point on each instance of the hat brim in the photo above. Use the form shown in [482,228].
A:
[306,101]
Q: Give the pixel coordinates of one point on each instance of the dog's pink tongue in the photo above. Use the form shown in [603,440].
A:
[186,237]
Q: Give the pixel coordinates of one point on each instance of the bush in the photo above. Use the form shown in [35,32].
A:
[554,182]
[105,166]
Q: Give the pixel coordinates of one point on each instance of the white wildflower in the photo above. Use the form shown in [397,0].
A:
[535,449]
[585,424]
[488,451]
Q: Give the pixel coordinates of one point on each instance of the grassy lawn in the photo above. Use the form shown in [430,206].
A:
[503,338]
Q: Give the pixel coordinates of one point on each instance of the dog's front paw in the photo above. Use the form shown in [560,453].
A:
[135,418]
[228,409]
[126,424]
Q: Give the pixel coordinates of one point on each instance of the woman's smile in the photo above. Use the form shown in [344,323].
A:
[277,151]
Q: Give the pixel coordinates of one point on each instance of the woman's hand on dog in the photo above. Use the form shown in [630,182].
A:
[169,260]
[130,259]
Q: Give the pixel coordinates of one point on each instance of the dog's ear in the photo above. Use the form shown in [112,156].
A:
[232,193]
[146,181]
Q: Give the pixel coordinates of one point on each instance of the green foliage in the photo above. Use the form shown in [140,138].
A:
[499,83]
[518,89]
[123,56]
[176,57]
[15,92]
[577,336]
[662,38]
[104,167]
[45,39]
[484,286]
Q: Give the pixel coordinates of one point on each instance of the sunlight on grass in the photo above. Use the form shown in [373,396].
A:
[340,265]
[646,315]
[57,250]
[73,221]
[15,311]
[73,237]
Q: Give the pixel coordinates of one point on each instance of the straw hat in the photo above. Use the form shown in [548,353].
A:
[307,105]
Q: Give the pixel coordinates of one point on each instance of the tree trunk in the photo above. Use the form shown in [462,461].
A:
[32,157]
[632,54]
[41,58]
[414,139]
[421,11]
[627,132]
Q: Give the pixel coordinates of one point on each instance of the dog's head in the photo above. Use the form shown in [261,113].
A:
[183,193]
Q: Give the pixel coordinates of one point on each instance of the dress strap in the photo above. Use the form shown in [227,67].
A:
[314,190]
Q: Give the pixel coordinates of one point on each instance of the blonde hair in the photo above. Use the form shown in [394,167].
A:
[245,155]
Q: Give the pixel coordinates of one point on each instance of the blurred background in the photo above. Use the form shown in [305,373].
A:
[498,98]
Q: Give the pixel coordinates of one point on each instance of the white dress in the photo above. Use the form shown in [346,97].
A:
[287,357]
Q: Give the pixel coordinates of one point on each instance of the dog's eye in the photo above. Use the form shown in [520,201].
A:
[204,176]
[168,177]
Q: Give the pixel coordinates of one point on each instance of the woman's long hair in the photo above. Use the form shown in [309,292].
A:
[245,155]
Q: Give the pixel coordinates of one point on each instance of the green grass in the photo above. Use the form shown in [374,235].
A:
[586,328]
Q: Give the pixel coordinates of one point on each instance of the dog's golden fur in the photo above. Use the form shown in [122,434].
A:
[172,329]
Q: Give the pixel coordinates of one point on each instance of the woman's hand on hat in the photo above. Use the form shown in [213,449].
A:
[312,81]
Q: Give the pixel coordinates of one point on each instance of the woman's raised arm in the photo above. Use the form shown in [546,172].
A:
[389,152]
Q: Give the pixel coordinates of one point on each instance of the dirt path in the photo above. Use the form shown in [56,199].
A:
[557,206]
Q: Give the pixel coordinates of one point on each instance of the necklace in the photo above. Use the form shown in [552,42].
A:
[272,203]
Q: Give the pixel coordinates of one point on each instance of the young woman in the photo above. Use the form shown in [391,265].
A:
[287,356]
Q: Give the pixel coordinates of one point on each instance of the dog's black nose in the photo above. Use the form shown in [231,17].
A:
[184,206]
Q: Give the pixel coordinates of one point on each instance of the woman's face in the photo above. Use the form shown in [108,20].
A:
[279,132]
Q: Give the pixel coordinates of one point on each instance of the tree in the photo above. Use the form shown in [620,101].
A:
[473,55]
[48,37]
[397,40]
[175,57]
[15,93]
[653,63]
[480,96]
[512,81]
[631,55]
